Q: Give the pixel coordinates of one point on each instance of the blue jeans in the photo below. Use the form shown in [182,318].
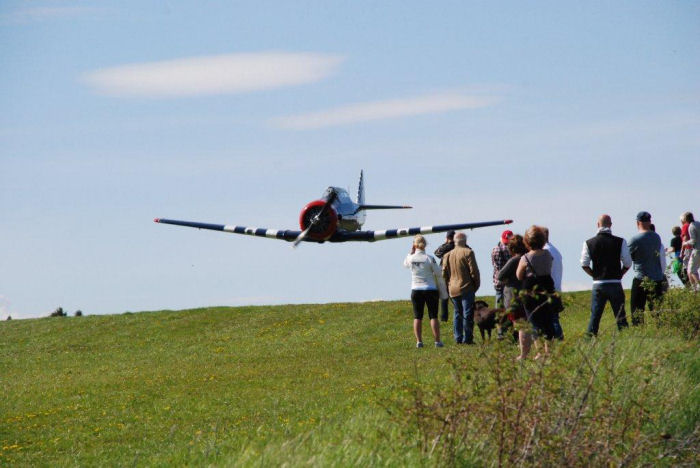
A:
[464,317]
[499,298]
[600,295]
[558,332]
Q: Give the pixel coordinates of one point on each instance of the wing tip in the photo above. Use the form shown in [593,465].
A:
[508,221]
[156,220]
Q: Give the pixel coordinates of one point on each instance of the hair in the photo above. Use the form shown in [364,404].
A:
[546,233]
[534,238]
[676,230]
[420,242]
[687,217]
[605,220]
[461,239]
[516,246]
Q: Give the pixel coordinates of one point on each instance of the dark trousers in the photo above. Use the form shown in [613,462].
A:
[558,331]
[444,310]
[640,298]
[600,295]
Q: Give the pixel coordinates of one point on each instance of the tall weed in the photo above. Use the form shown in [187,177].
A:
[587,404]
[679,312]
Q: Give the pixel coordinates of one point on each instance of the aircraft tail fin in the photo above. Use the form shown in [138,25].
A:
[361,190]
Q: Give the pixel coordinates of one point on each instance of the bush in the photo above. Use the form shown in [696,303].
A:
[581,407]
[679,311]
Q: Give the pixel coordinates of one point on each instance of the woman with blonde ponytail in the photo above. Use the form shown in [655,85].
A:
[424,289]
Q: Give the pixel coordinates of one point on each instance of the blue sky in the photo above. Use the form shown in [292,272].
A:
[115,113]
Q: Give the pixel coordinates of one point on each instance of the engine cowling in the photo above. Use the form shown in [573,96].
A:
[326,225]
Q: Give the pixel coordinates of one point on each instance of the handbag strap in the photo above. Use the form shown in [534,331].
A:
[530,264]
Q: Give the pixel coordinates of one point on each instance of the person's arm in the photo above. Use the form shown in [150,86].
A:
[507,271]
[522,266]
[662,257]
[632,248]
[407,261]
[586,260]
[474,271]
[446,268]
[692,236]
[440,251]
[625,257]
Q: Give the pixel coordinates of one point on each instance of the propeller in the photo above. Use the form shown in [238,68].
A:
[330,198]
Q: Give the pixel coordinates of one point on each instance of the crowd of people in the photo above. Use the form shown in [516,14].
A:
[527,277]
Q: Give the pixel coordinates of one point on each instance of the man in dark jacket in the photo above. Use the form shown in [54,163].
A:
[611,259]
[439,253]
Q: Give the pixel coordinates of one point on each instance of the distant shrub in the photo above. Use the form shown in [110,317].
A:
[577,409]
[58,313]
[679,311]
[78,313]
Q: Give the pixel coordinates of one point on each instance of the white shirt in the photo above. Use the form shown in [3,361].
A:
[423,268]
[557,265]
[625,257]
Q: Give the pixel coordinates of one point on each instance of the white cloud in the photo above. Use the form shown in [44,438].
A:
[387,109]
[220,74]
[41,13]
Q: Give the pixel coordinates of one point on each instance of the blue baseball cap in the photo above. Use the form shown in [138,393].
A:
[643,217]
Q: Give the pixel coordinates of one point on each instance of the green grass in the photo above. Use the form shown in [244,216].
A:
[304,384]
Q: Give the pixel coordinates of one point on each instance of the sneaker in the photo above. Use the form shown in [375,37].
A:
[438,344]
[419,344]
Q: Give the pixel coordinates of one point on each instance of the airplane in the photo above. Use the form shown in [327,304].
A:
[334,218]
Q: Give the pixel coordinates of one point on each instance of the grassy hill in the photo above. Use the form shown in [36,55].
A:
[334,384]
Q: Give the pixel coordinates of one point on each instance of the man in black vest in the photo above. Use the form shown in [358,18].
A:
[611,259]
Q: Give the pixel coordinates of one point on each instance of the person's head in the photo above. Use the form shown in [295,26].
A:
[450,236]
[461,239]
[604,221]
[676,230]
[534,238]
[546,233]
[505,236]
[516,245]
[419,242]
[644,221]
[687,217]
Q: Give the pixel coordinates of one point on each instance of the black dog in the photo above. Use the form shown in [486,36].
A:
[486,317]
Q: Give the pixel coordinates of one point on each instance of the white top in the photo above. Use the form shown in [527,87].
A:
[557,265]
[625,257]
[423,270]
[694,234]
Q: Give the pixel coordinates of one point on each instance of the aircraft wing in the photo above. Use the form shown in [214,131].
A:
[287,235]
[339,236]
[371,236]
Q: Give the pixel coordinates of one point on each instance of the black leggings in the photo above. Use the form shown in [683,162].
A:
[419,298]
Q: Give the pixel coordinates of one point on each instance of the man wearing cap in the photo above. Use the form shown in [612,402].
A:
[499,257]
[611,259]
[646,250]
[439,253]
